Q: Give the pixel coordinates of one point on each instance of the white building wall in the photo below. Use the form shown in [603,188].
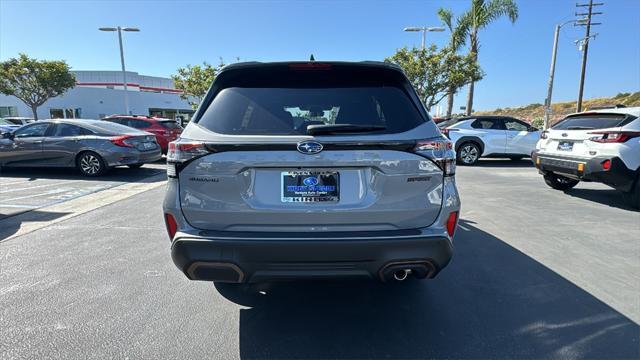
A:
[97,100]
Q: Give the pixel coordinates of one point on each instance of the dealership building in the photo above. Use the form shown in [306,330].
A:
[101,93]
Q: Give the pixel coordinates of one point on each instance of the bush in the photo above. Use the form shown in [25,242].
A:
[538,122]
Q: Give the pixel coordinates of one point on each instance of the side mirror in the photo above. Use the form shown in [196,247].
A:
[8,135]
[532,129]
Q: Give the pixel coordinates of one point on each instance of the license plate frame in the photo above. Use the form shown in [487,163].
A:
[565,146]
[310,186]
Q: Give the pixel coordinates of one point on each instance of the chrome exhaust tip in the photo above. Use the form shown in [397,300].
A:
[401,275]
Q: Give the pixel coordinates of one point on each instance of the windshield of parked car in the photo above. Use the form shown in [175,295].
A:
[591,121]
[284,111]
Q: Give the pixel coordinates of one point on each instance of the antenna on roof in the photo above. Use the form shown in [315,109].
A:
[311,58]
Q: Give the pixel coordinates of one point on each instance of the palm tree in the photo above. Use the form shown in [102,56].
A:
[481,14]
[456,41]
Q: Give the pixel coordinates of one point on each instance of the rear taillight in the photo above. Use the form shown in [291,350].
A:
[452,221]
[171,224]
[613,136]
[446,131]
[440,151]
[182,151]
[123,141]
[544,135]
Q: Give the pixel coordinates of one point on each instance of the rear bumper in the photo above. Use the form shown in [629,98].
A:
[618,176]
[133,157]
[245,258]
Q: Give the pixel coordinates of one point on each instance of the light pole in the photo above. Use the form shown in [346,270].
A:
[424,31]
[552,70]
[124,73]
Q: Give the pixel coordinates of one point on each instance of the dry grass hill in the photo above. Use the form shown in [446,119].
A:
[534,113]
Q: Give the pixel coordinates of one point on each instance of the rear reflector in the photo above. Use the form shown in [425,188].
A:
[452,220]
[171,225]
[606,164]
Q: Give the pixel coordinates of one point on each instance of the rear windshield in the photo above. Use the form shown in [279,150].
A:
[114,128]
[589,122]
[289,111]
[169,124]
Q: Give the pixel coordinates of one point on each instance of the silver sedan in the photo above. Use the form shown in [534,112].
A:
[91,146]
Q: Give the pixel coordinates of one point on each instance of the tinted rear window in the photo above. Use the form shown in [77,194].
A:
[588,122]
[114,128]
[288,111]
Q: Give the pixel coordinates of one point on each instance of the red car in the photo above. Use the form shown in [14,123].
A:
[165,130]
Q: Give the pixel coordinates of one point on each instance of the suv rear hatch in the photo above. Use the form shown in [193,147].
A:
[329,147]
[570,137]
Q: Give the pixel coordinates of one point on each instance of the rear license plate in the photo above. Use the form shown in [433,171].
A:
[148,146]
[310,186]
[565,146]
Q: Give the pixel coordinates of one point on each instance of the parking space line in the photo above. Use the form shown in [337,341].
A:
[40,186]
[16,182]
[51,192]
[19,206]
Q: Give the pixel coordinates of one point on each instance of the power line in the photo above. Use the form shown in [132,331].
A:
[584,43]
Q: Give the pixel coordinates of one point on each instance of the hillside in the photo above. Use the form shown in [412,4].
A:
[535,112]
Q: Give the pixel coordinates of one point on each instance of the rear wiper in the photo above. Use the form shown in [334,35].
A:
[580,127]
[342,128]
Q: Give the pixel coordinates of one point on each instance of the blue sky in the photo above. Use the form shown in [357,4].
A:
[515,57]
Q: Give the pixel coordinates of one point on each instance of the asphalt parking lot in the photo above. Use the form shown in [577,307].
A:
[28,189]
[536,273]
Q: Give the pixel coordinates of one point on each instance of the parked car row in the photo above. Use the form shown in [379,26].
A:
[91,146]
[595,146]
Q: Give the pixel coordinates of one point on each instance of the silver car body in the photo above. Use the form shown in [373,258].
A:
[234,223]
[48,148]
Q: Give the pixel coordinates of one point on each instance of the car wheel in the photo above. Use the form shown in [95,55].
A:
[516,158]
[559,182]
[468,153]
[91,164]
[135,166]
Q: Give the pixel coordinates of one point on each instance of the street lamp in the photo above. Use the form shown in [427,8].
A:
[124,74]
[424,31]
[547,110]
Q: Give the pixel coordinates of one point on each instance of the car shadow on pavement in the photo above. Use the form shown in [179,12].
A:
[115,174]
[10,224]
[504,163]
[610,197]
[493,301]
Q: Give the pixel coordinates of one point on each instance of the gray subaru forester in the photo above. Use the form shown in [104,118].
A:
[303,170]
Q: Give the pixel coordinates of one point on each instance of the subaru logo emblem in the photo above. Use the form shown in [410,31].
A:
[565,134]
[309,147]
[311,181]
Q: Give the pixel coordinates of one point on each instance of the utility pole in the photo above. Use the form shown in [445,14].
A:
[585,45]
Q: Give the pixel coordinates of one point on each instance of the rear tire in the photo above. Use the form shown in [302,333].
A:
[468,153]
[91,164]
[559,182]
[634,199]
